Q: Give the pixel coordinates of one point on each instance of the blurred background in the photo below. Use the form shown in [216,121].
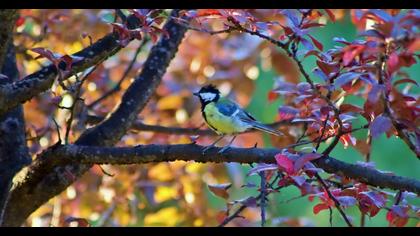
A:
[244,67]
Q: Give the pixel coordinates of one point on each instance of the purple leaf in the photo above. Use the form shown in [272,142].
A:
[345,78]
[308,45]
[399,210]
[379,125]
[346,201]
[375,198]
[299,163]
[249,201]
[374,93]
[320,74]
[303,86]
[291,15]
[288,112]
[309,120]
[299,180]
[341,40]
[262,167]
[382,14]
[372,33]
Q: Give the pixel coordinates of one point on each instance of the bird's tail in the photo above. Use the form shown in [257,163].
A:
[265,128]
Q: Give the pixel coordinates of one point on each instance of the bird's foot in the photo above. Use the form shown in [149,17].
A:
[223,149]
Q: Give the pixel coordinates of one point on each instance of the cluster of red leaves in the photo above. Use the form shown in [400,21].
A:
[369,68]
[63,63]
[295,166]
[148,24]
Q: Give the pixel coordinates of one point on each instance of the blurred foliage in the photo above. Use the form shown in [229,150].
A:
[243,67]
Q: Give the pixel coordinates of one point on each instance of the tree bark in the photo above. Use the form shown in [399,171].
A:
[45,180]
[14,153]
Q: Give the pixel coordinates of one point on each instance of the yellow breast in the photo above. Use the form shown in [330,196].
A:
[222,124]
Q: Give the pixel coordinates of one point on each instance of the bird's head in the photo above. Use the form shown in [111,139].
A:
[208,94]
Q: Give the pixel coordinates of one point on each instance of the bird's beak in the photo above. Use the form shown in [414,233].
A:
[195,94]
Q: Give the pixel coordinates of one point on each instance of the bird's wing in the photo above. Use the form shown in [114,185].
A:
[247,118]
[226,107]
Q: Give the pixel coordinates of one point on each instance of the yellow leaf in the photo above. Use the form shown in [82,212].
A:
[166,217]
[170,102]
[161,172]
[164,193]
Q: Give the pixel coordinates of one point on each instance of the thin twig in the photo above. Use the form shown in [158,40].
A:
[336,202]
[331,216]
[323,132]
[233,216]
[76,98]
[263,196]
[387,107]
[58,130]
[121,80]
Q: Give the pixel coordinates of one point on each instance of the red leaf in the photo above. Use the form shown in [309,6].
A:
[272,96]
[320,207]
[397,216]
[325,110]
[347,139]
[350,52]
[44,53]
[317,43]
[415,46]
[220,190]
[20,21]
[284,163]
[81,222]
[374,198]
[326,67]
[379,125]
[68,60]
[406,80]
[312,24]
[287,30]
[312,53]
[392,63]
[330,14]
[301,161]
[344,108]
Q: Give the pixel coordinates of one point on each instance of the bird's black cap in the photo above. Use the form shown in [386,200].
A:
[208,89]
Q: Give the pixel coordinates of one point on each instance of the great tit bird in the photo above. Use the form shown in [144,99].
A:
[226,117]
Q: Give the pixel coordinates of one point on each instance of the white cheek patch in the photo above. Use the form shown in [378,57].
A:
[207,96]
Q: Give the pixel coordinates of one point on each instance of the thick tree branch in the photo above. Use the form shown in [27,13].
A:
[192,152]
[7,18]
[23,90]
[13,150]
[45,180]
